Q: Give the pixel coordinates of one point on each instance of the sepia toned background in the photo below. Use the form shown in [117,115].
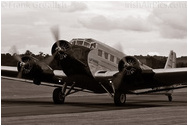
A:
[141,28]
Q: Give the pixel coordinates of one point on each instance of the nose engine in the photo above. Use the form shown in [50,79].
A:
[60,49]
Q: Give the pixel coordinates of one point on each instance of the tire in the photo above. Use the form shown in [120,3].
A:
[119,98]
[36,81]
[170,98]
[58,96]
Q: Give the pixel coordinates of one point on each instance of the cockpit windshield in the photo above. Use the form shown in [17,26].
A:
[79,42]
[84,42]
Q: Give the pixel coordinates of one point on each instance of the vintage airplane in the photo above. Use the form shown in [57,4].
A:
[91,66]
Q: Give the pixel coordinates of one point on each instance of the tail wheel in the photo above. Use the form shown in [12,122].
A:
[58,96]
[119,98]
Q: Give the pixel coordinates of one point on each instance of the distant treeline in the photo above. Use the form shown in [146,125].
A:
[9,60]
[152,61]
[159,61]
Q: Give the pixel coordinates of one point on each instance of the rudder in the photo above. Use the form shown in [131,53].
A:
[171,61]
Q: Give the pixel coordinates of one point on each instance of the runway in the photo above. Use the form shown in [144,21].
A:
[27,104]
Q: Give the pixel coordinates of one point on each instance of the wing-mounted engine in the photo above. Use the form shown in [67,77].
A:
[30,67]
[131,73]
[129,65]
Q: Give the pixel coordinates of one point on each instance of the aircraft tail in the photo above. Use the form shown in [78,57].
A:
[171,61]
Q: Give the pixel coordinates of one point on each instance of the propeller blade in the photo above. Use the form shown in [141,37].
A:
[55,32]
[14,52]
[124,60]
[118,46]
[20,73]
[50,58]
[118,78]
[18,57]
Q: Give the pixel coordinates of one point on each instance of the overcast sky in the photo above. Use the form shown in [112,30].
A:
[139,28]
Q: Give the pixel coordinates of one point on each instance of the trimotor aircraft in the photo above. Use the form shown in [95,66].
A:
[92,66]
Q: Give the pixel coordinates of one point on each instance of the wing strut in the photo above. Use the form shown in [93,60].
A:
[71,88]
[111,95]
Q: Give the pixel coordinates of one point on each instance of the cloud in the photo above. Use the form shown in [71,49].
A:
[100,22]
[40,22]
[170,21]
[74,7]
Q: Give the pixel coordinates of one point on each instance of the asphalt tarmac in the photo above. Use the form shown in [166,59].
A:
[27,104]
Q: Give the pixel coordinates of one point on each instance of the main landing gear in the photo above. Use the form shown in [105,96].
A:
[60,93]
[119,98]
[169,97]
[58,96]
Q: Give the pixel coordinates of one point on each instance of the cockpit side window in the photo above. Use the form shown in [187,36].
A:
[86,44]
[73,42]
[93,45]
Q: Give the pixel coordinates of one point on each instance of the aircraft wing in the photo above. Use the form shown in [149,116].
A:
[153,80]
[172,75]
[54,79]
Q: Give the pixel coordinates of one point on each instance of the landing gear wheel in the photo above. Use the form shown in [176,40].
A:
[119,98]
[169,98]
[58,96]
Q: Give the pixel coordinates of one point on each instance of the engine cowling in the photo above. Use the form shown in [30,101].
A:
[32,68]
[130,65]
[60,48]
[132,73]
[129,69]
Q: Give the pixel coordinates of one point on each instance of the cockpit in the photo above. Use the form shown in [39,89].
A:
[88,43]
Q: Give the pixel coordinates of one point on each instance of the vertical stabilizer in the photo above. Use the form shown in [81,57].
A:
[171,61]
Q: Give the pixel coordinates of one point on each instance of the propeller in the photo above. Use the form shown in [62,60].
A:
[20,73]
[118,46]
[24,66]
[55,33]
[118,79]
[60,47]
[14,52]
[127,66]
[49,59]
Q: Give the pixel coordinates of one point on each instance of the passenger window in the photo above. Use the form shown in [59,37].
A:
[112,58]
[100,52]
[117,61]
[105,55]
